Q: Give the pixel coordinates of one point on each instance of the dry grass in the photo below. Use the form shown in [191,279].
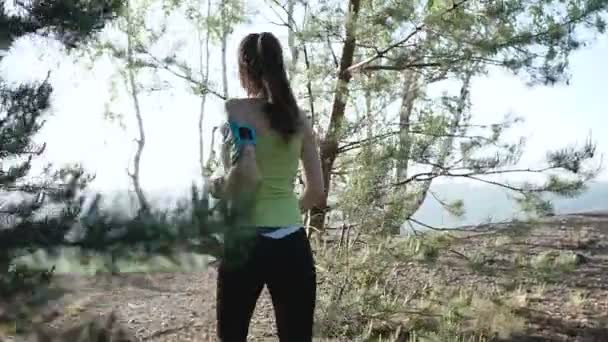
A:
[461,287]
[370,298]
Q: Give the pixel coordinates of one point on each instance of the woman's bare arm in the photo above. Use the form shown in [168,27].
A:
[314,189]
[241,177]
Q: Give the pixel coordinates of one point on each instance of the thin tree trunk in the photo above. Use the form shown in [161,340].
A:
[205,78]
[212,156]
[329,145]
[446,147]
[410,93]
[369,122]
[294,50]
[408,97]
[291,39]
[224,42]
[144,206]
[311,99]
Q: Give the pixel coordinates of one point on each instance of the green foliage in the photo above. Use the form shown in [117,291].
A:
[22,109]
[435,40]
[21,279]
[193,227]
[363,198]
[70,21]
[107,241]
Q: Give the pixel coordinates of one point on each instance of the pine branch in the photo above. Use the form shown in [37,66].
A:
[425,176]
[70,21]
[383,52]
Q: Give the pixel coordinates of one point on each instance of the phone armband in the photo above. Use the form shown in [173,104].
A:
[241,135]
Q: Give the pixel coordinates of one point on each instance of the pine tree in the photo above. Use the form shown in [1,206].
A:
[190,228]
[22,111]
[357,46]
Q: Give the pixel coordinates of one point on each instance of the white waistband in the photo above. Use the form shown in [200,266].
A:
[282,232]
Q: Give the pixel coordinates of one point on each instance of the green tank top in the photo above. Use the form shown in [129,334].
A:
[275,202]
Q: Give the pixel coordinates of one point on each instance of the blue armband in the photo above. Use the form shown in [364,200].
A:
[241,135]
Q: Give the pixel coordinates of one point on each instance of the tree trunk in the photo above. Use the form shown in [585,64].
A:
[446,147]
[205,79]
[410,93]
[329,145]
[291,41]
[144,207]
[369,121]
[224,42]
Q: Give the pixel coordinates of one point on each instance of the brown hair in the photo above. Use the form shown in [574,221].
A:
[262,73]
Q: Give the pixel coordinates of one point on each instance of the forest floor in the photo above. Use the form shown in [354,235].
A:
[553,279]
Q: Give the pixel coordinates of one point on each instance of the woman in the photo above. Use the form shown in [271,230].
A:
[267,135]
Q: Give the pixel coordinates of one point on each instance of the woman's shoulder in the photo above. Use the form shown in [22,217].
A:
[235,101]
[243,102]
[240,109]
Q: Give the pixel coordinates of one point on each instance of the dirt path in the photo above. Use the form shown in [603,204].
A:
[156,307]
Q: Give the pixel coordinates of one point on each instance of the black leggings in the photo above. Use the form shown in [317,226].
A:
[286,267]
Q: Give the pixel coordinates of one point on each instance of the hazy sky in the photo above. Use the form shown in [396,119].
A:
[77,130]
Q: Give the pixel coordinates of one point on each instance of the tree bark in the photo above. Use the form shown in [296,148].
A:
[329,145]
[205,79]
[410,93]
[291,39]
[446,147]
[144,206]
[224,42]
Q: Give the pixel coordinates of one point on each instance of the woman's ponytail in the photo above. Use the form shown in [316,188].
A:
[282,108]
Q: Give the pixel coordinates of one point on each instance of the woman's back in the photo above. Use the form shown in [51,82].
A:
[275,203]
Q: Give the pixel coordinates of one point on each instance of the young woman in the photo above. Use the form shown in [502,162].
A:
[265,139]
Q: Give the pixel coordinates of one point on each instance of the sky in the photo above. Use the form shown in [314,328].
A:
[78,131]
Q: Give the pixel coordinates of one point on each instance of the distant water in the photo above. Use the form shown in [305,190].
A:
[486,203]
